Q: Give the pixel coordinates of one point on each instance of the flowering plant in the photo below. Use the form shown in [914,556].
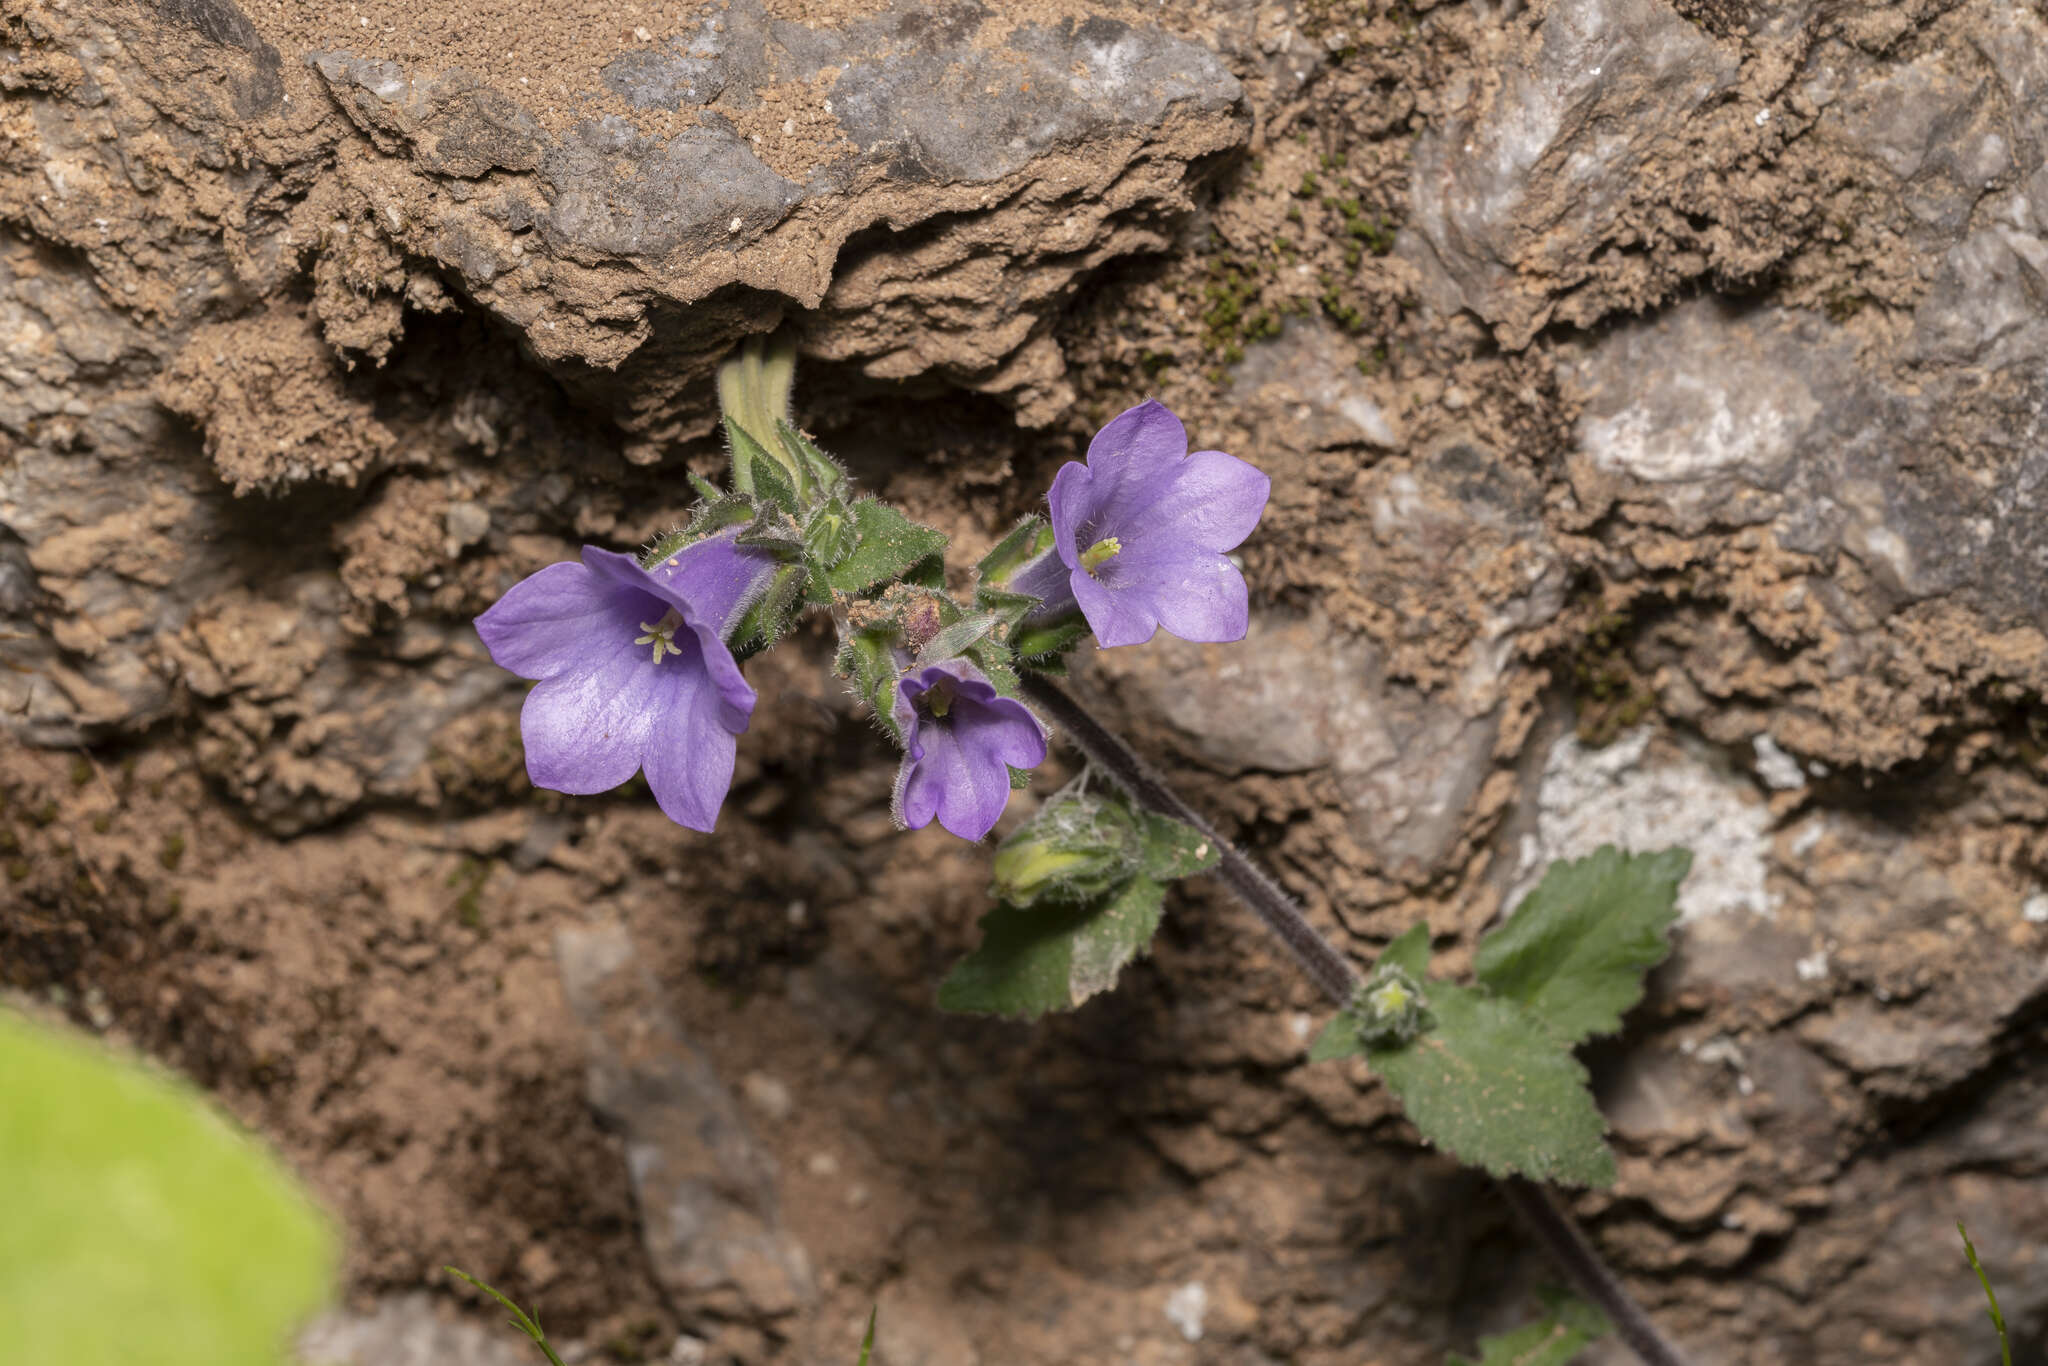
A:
[637,666]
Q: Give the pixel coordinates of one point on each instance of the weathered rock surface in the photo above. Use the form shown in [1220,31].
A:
[1678,477]
[706,1188]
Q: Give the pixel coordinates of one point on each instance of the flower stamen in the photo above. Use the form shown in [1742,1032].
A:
[662,635]
[1108,548]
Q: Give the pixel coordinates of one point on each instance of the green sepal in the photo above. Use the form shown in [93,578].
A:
[1041,644]
[755,471]
[1174,850]
[891,547]
[1025,541]
[764,623]
[1011,607]
[868,657]
[994,660]
[830,535]
[705,489]
[1576,950]
[727,510]
[827,475]
[959,638]
[1020,778]
[1492,1086]
[773,532]
[1034,961]
[1568,1326]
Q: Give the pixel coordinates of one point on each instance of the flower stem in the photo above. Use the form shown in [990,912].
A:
[1334,975]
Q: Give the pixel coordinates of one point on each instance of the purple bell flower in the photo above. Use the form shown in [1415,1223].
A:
[633,672]
[1140,531]
[961,739]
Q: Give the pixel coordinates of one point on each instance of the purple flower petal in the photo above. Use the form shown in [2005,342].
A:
[957,765]
[1214,501]
[549,622]
[634,671]
[1157,521]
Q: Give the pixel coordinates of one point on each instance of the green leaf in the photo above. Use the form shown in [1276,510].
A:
[521,1320]
[1567,1327]
[1409,952]
[1577,948]
[140,1224]
[867,1344]
[1035,961]
[1495,1089]
[1174,850]
[891,546]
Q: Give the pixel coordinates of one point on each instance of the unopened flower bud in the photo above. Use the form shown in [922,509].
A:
[1075,848]
[1389,1008]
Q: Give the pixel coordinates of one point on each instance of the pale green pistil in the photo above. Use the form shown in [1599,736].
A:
[938,698]
[1109,547]
[1388,999]
[662,635]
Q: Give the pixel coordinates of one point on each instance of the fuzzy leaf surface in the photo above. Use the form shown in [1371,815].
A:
[890,546]
[1036,961]
[1493,1087]
[1568,1326]
[1576,950]
[141,1224]
[1174,850]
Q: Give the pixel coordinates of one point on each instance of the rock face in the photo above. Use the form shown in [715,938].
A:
[706,1187]
[1656,398]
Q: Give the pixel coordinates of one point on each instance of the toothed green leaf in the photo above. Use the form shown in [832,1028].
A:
[1576,950]
[1053,958]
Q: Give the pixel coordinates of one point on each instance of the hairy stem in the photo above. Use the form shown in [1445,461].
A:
[1332,972]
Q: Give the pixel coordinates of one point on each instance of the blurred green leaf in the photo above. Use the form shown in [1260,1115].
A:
[1567,1327]
[139,1224]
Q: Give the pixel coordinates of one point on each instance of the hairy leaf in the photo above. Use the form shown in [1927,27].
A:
[1032,962]
[1495,1089]
[891,546]
[1174,850]
[1567,1327]
[140,1224]
[1576,950]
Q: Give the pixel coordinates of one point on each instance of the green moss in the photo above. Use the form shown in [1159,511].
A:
[1611,696]
[81,771]
[470,875]
[173,851]
[44,814]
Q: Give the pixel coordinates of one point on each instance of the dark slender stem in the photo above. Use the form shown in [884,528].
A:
[1555,1229]
[1333,973]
